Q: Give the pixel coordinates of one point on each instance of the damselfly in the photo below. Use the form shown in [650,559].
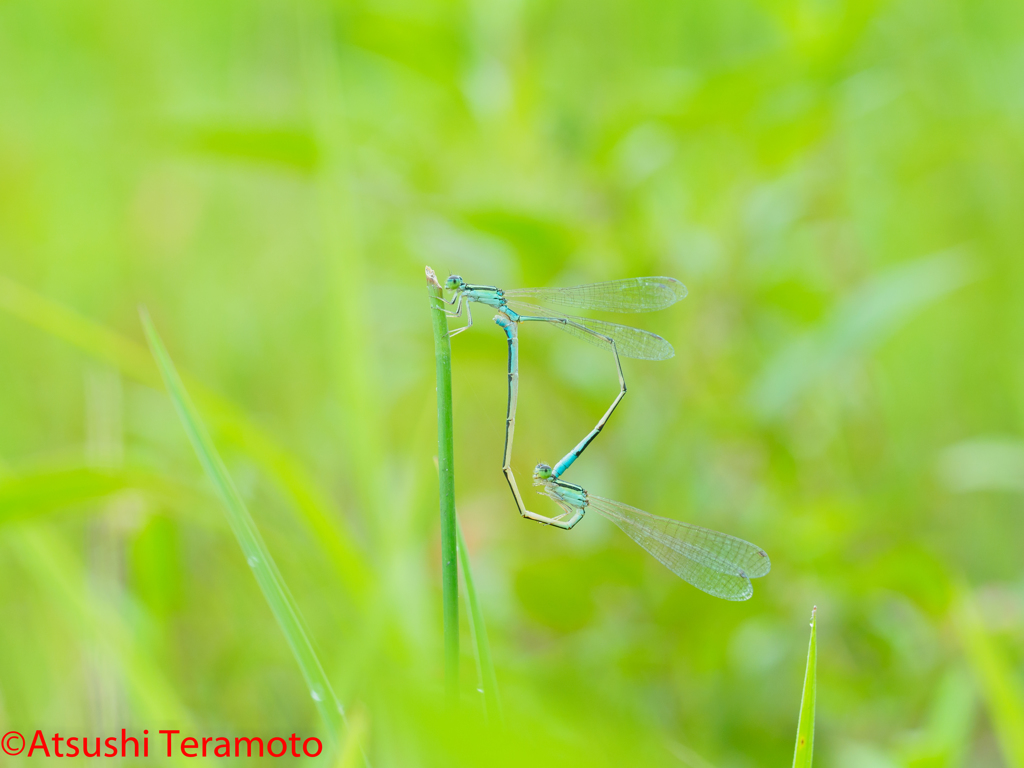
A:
[713,562]
[637,294]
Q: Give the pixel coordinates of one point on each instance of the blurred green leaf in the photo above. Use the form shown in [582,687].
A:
[544,242]
[58,568]
[946,735]
[155,559]
[27,495]
[861,322]
[426,49]
[983,464]
[997,678]
[283,146]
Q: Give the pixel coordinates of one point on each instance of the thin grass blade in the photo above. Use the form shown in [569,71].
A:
[805,727]
[484,664]
[132,359]
[253,547]
[996,676]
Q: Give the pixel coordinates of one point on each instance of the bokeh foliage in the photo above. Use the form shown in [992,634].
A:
[838,185]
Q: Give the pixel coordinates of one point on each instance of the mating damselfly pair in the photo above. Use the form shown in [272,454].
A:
[716,563]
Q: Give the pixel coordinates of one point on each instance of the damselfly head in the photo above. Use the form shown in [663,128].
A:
[541,473]
[453,282]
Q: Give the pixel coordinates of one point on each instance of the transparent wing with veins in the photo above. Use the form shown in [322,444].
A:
[716,563]
[634,294]
[629,342]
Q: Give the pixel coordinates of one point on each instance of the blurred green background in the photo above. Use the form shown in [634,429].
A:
[837,183]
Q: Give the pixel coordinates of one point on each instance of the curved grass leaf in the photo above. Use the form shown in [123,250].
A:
[253,547]
[325,525]
[805,727]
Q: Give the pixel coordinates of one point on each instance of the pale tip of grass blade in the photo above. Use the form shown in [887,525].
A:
[805,727]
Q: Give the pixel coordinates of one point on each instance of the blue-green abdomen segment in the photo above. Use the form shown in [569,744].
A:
[568,460]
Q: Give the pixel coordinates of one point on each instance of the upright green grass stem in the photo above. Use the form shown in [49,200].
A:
[446,481]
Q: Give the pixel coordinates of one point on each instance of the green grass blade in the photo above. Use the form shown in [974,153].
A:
[132,359]
[446,481]
[996,677]
[484,665]
[255,550]
[351,753]
[66,324]
[805,727]
[57,569]
[39,492]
